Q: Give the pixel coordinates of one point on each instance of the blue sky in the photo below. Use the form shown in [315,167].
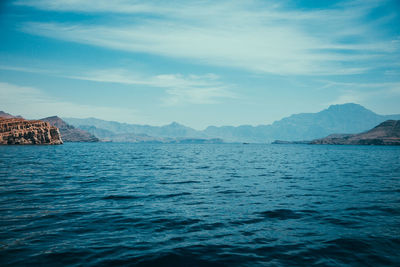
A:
[198,63]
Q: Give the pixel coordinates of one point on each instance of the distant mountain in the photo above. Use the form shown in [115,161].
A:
[68,132]
[172,130]
[98,132]
[386,133]
[106,135]
[345,118]
[8,116]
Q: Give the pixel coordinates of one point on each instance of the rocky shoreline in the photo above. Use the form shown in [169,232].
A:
[18,131]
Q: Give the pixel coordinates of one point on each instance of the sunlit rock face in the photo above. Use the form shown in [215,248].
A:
[18,131]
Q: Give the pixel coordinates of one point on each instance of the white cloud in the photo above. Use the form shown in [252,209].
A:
[32,103]
[117,6]
[181,89]
[29,69]
[252,35]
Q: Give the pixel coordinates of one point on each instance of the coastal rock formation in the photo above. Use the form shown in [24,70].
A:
[69,133]
[386,133]
[17,131]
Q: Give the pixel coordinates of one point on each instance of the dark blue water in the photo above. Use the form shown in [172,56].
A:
[193,205]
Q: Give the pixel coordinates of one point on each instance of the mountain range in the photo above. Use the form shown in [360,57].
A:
[345,118]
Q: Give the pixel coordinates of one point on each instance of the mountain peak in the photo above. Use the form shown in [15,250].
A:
[53,118]
[349,109]
[6,115]
[347,106]
[174,124]
[55,121]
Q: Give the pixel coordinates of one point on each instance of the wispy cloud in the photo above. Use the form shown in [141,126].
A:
[251,35]
[27,69]
[32,103]
[116,6]
[181,89]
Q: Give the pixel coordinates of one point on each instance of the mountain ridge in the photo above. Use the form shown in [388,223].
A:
[341,118]
[68,132]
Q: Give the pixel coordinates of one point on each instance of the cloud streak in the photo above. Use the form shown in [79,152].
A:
[181,89]
[252,35]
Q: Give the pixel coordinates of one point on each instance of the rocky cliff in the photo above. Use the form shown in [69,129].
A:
[17,131]
[69,133]
[386,133]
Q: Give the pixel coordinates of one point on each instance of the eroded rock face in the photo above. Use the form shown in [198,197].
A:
[16,131]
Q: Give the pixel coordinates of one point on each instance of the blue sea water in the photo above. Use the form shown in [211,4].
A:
[102,204]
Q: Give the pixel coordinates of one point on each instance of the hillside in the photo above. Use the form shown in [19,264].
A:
[386,133]
[68,132]
[8,116]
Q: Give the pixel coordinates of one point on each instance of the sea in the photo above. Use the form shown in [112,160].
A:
[124,204]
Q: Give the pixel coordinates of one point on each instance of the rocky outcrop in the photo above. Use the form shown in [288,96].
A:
[68,132]
[386,133]
[17,131]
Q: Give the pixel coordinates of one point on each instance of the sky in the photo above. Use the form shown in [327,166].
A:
[198,63]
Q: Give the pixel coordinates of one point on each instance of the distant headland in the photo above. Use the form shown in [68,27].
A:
[386,133]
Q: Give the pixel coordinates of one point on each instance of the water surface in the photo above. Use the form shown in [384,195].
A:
[194,205]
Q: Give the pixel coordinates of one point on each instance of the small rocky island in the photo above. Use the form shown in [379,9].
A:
[18,131]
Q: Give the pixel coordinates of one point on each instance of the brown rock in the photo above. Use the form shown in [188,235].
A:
[17,131]
[386,133]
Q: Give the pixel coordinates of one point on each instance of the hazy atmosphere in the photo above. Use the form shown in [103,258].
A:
[199,133]
[199,63]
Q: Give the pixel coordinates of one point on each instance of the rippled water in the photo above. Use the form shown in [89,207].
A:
[191,205]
